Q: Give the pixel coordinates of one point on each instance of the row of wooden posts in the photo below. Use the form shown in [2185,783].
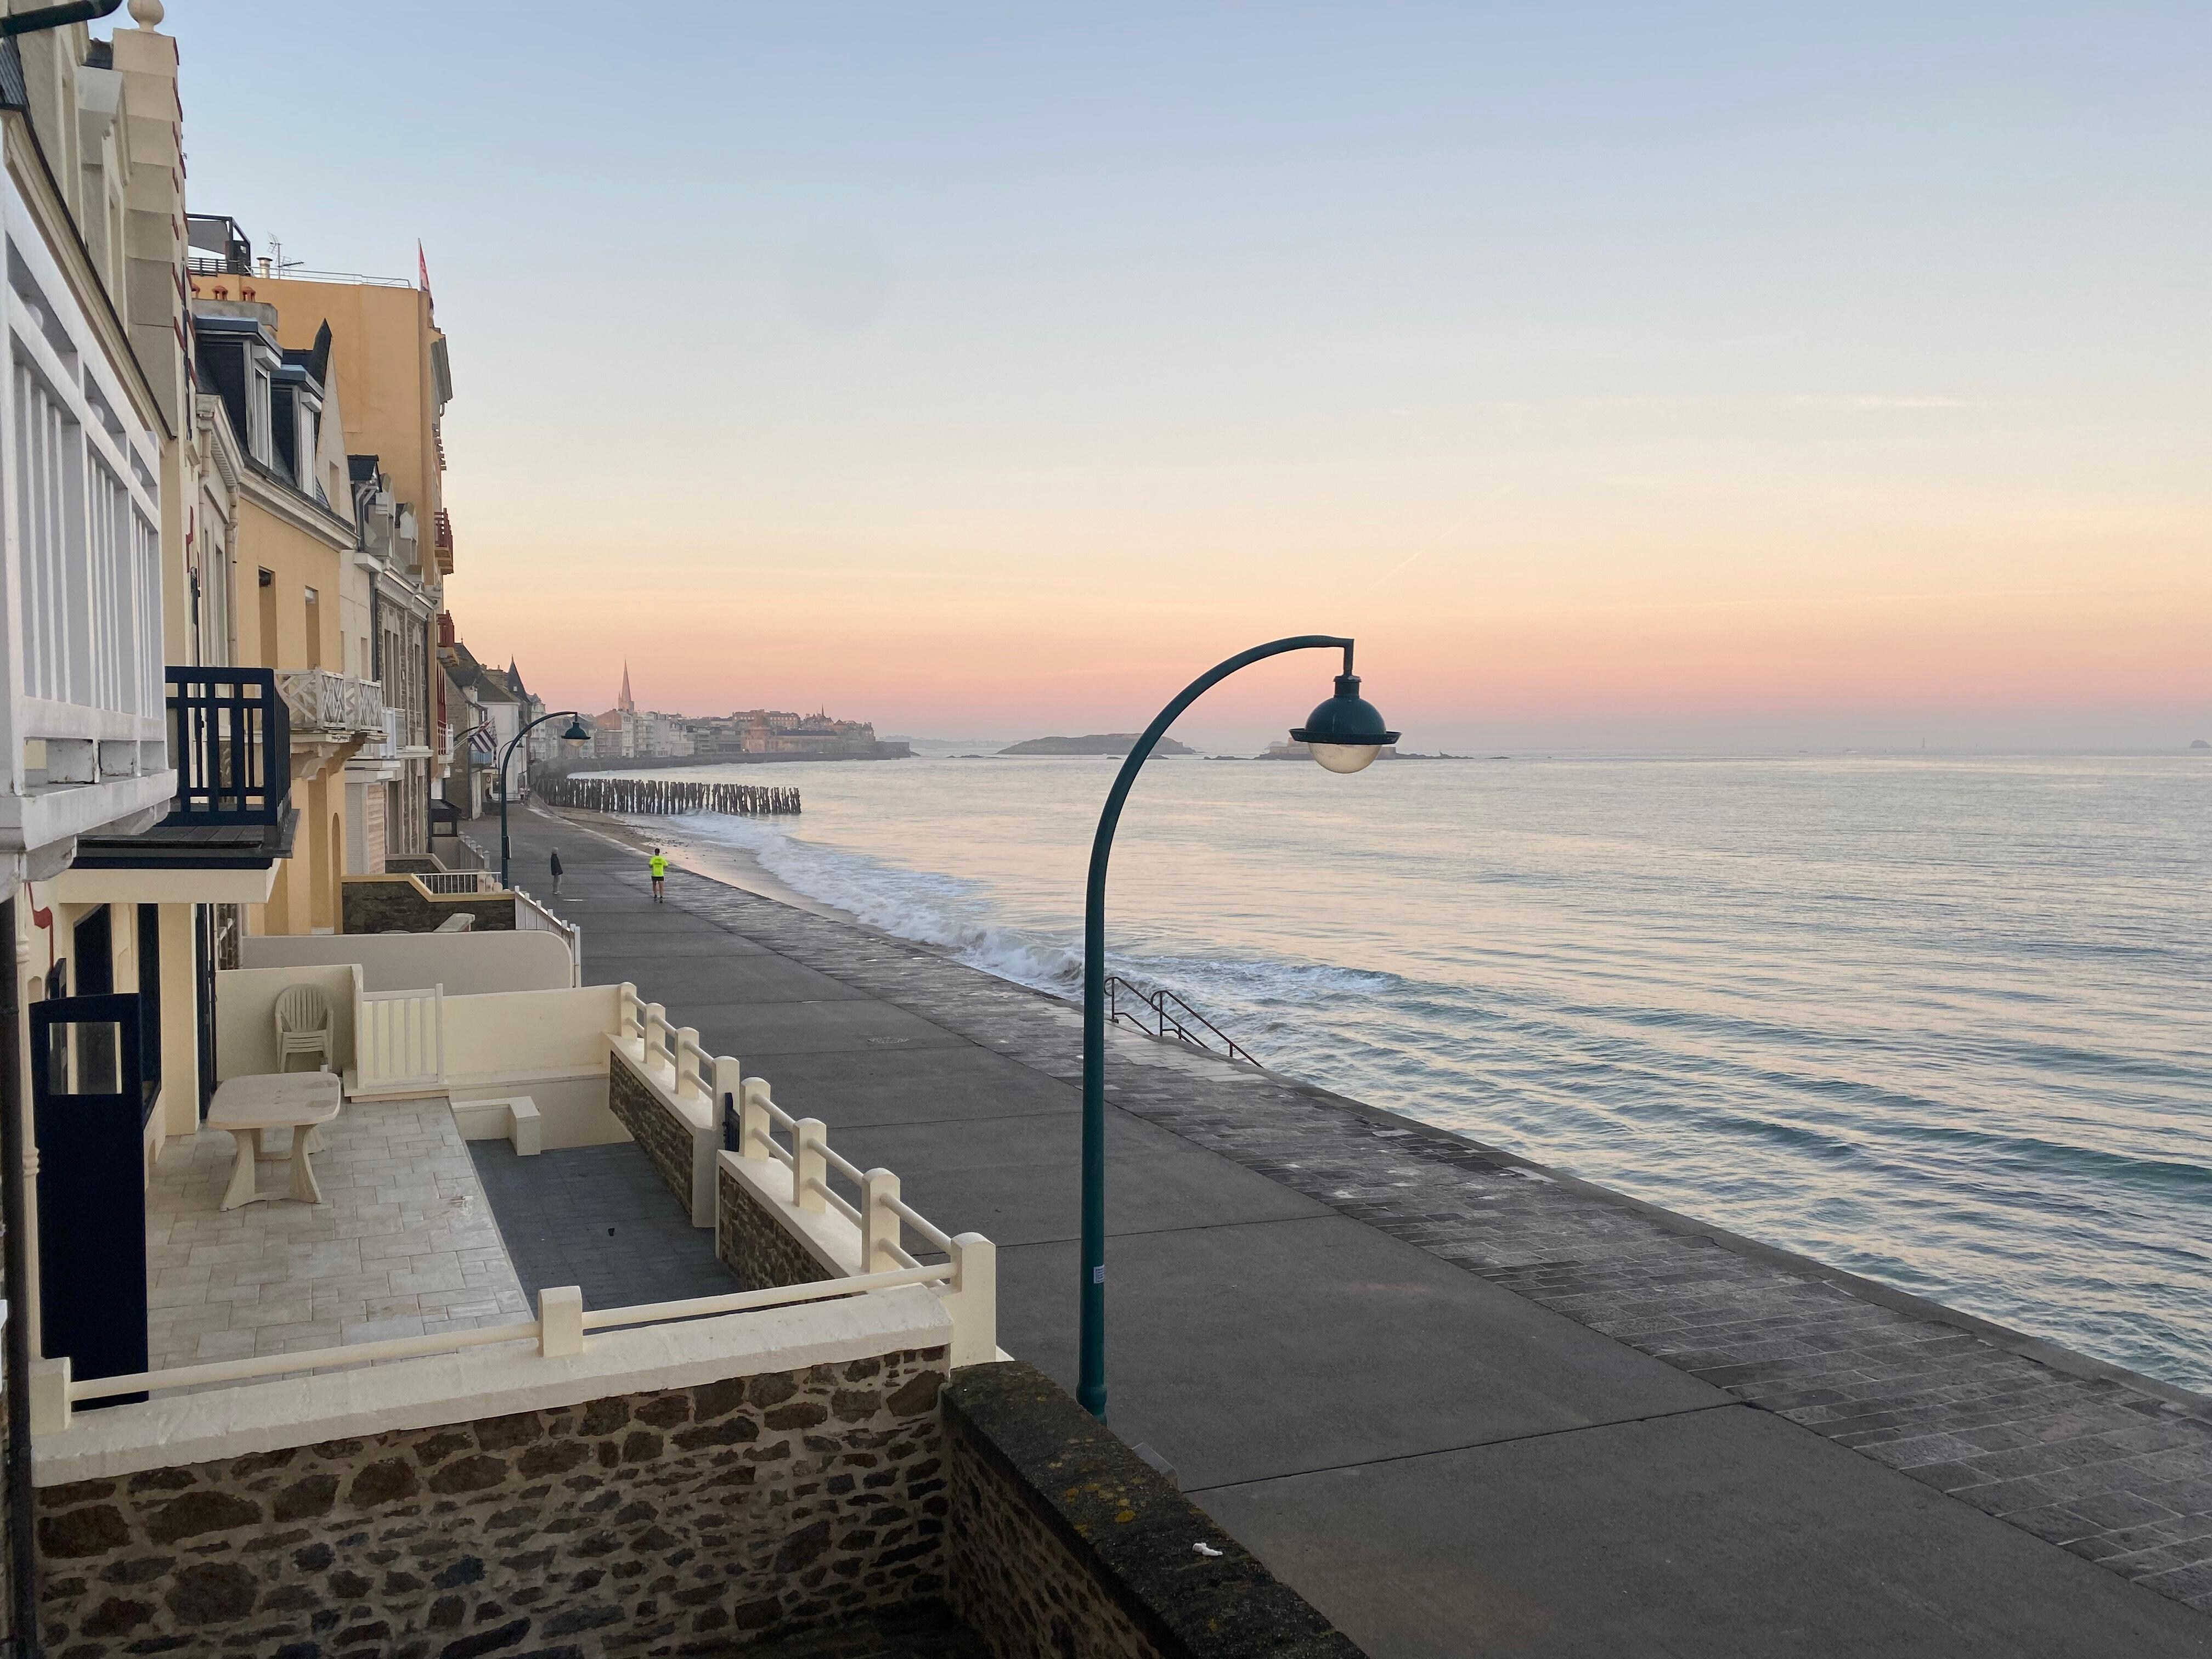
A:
[651,795]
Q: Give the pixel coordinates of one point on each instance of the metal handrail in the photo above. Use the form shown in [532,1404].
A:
[1166,1023]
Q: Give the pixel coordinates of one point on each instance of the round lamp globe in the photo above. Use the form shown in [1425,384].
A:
[1346,733]
[1345,756]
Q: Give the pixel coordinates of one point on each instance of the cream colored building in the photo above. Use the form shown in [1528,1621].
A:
[219,585]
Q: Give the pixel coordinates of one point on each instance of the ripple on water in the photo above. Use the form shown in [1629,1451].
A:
[1940,1022]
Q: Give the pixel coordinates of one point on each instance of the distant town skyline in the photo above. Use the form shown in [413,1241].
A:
[1621,379]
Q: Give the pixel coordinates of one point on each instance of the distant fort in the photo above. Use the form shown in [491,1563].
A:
[749,737]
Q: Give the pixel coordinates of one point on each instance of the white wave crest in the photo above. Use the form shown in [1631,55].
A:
[950,912]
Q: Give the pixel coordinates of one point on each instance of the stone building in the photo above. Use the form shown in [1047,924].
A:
[627,731]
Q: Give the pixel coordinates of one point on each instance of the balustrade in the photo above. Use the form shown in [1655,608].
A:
[323,701]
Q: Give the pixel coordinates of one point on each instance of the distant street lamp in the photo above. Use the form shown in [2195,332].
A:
[1344,734]
[575,735]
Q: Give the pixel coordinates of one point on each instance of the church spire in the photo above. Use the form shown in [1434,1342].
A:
[625,703]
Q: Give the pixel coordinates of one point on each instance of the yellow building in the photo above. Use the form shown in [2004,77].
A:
[379,340]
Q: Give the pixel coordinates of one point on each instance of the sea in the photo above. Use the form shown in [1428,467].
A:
[1945,1021]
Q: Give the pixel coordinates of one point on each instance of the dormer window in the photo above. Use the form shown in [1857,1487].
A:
[238,361]
[284,423]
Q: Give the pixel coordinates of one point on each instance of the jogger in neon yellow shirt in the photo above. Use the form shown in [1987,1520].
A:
[658,865]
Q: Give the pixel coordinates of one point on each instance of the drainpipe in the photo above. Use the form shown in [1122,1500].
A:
[22,1549]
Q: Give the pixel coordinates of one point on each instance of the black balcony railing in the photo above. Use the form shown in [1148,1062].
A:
[230,738]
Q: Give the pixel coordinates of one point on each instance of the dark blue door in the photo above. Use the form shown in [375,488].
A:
[88,1112]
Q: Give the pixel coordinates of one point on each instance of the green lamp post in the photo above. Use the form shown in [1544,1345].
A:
[574,736]
[1344,734]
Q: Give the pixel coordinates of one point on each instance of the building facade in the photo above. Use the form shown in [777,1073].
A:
[222,547]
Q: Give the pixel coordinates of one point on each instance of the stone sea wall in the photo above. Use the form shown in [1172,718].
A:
[665,1137]
[1066,1545]
[752,1241]
[685,1520]
[373,904]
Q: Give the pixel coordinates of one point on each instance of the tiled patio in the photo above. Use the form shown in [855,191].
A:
[403,1245]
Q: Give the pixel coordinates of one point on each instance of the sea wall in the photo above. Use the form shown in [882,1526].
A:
[1063,1541]
[676,1519]
[395,904]
[667,1139]
[752,1240]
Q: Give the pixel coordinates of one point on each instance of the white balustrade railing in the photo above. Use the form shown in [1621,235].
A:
[400,1040]
[693,1066]
[399,1037]
[458,881]
[532,917]
[320,701]
[971,1271]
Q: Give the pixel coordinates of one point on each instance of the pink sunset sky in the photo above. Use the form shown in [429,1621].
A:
[1734,380]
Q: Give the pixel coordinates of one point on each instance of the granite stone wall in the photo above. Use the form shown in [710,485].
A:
[665,1137]
[1065,1545]
[372,905]
[752,1241]
[686,1521]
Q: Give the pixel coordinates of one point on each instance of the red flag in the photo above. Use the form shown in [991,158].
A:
[422,265]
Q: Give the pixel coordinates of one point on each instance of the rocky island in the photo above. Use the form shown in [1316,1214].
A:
[1098,743]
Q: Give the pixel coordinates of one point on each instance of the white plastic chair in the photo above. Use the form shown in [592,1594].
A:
[303,1027]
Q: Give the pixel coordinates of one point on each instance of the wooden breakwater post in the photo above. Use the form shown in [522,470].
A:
[661,796]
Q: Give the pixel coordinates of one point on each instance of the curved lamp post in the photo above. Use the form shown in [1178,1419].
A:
[1344,733]
[575,734]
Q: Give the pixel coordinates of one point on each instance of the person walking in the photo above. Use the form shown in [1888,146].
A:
[557,873]
[658,865]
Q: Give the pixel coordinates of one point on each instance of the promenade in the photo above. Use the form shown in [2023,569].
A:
[1463,1404]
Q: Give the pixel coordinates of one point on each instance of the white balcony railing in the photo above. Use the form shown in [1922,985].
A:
[325,702]
[460,881]
[560,1331]
[532,917]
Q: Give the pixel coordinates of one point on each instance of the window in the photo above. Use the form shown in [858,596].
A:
[314,629]
[268,657]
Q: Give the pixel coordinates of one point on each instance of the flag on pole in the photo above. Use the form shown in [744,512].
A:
[422,266]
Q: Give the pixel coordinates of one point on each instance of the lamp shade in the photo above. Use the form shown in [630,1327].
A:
[1346,733]
[576,734]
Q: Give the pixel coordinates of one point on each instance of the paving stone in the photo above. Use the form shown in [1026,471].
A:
[401,1202]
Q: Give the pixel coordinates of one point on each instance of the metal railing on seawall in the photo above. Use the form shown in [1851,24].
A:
[1161,1013]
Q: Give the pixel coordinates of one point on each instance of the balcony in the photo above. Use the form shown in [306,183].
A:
[231,735]
[230,738]
[326,704]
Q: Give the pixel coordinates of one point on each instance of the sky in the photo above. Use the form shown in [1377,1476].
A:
[1682,378]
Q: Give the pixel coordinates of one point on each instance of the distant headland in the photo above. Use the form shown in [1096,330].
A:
[1098,743]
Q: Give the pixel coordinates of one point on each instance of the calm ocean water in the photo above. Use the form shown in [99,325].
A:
[1945,1022]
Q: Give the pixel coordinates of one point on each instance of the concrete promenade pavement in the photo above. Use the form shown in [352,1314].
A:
[1462,1405]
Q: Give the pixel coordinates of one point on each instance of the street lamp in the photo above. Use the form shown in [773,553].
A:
[1344,734]
[575,735]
